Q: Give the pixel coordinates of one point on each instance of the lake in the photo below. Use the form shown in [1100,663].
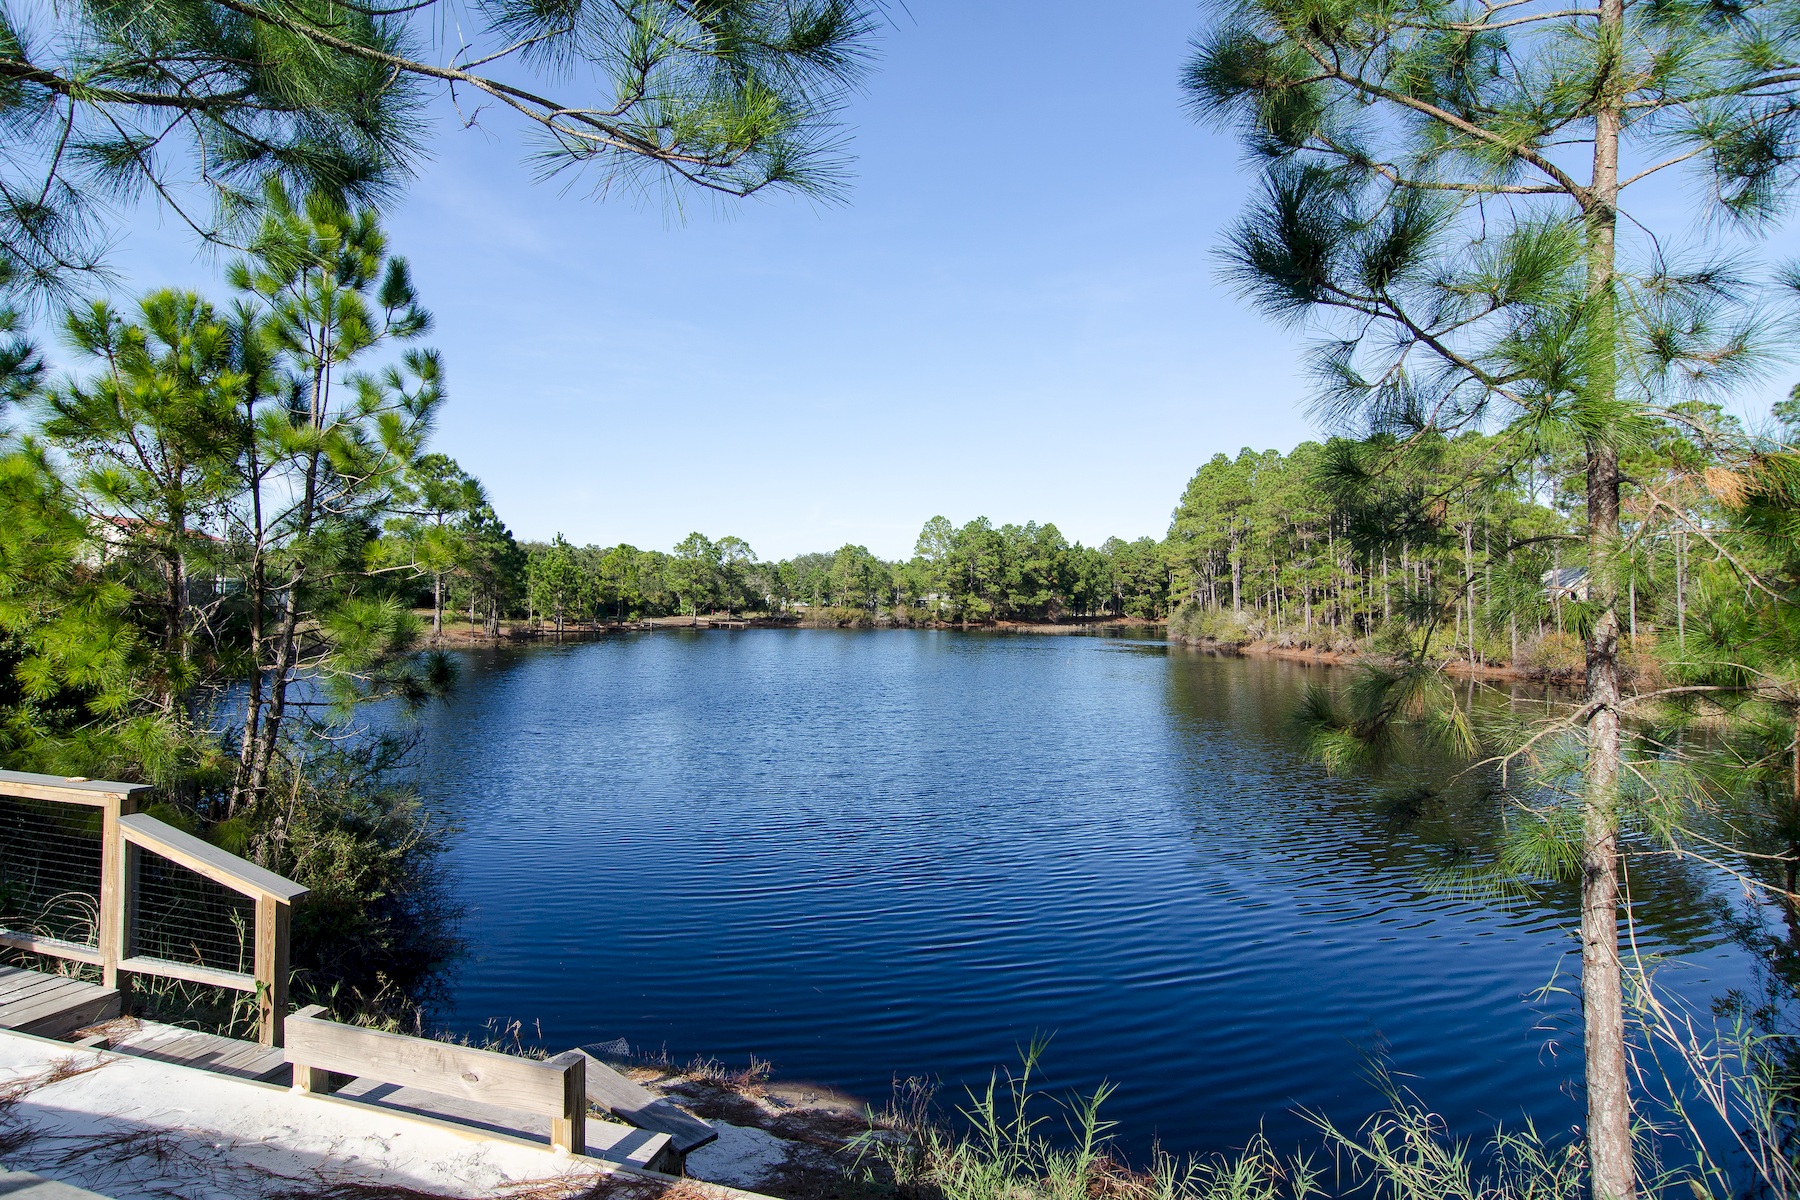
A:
[869,855]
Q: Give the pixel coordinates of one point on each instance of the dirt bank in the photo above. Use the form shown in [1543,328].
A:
[1461,668]
[514,632]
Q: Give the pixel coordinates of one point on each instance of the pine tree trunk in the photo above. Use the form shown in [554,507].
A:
[1469,583]
[1611,1163]
[287,642]
[1681,587]
[175,631]
[257,596]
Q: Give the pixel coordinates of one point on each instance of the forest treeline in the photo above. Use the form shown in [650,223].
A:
[1303,548]
[977,572]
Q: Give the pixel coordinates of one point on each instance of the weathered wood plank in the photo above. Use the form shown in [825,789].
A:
[272,926]
[77,1015]
[191,972]
[504,1080]
[53,947]
[43,986]
[27,1009]
[556,1088]
[204,1051]
[32,786]
[20,1013]
[17,981]
[228,870]
[37,986]
[608,1140]
[57,1013]
[114,930]
[636,1105]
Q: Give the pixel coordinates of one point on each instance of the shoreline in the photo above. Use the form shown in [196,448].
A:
[520,633]
[1461,668]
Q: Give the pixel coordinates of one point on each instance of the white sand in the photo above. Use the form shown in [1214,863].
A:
[131,1128]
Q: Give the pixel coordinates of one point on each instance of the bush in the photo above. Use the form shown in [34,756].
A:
[1196,623]
[372,938]
[1553,653]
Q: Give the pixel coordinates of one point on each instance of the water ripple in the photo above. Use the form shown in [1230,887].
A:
[862,855]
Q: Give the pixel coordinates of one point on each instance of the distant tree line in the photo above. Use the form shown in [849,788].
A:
[1453,541]
[470,563]
[1313,545]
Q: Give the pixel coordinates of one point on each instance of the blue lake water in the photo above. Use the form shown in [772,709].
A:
[880,854]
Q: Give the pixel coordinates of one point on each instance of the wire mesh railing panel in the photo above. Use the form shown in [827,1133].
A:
[50,861]
[184,917]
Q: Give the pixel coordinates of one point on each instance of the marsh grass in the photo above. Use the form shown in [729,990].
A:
[1010,1145]
[1010,1148]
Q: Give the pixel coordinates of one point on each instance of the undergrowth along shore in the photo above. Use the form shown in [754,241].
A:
[1551,656]
[1011,1140]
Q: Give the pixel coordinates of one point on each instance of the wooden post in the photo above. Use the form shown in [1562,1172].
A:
[568,1130]
[311,1079]
[272,920]
[117,891]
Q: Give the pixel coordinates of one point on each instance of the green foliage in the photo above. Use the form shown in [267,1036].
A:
[1008,1149]
[191,530]
[1345,546]
[976,573]
[204,103]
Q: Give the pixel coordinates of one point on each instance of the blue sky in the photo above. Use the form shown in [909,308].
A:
[1015,314]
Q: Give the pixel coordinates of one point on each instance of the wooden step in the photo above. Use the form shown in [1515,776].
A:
[637,1105]
[202,1051]
[48,1005]
[641,1148]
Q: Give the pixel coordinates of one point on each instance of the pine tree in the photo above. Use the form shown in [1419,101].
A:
[1446,185]
[328,456]
[201,103]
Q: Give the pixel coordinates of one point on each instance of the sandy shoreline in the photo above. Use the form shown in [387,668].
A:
[1461,668]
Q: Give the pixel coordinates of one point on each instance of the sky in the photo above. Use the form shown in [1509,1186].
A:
[1015,313]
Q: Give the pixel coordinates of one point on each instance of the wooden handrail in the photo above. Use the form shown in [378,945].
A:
[125,833]
[317,1045]
[204,858]
[140,964]
[68,789]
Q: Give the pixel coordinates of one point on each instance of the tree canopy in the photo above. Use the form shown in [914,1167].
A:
[203,103]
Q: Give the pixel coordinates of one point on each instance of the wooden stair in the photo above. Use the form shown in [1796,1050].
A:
[634,1104]
[644,1149]
[203,1051]
[52,1005]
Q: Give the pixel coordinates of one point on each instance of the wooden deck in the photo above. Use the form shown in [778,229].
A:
[644,1149]
[657,1136]
[51,1005]
[203,1051]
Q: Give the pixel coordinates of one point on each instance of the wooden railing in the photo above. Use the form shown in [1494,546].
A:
[556,1087]
[126,835]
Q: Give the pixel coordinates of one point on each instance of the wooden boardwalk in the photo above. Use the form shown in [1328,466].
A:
[644,1149]
[204,1051]
[56,1006]
[52,1005]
